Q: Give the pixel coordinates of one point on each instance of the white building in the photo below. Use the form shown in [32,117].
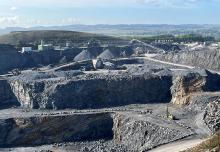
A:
[26,49]
[68,44]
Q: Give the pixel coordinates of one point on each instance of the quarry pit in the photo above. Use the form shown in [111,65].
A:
[137,105]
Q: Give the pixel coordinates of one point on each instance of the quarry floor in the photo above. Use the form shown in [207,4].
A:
[178,145]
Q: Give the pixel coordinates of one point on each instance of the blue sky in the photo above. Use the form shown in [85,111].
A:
[26,13]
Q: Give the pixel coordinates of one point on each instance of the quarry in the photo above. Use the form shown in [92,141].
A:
[121,98]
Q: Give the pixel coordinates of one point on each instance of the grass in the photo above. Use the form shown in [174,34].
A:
[51,36]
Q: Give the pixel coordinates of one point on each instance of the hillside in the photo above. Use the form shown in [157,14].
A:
[131,29]
[52,36]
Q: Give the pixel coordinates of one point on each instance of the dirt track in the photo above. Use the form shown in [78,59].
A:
[178,146]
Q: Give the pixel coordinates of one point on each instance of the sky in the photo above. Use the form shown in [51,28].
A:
[29,13]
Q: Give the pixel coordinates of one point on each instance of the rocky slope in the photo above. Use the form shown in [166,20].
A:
[141,133]
[11,59]
[208,59]
[38,59]
[205,108]
[212,115]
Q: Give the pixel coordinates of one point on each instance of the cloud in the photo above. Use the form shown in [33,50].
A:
[9,20]
[170,3]
[13,21]
[69,21]
[75,3]
[13,8]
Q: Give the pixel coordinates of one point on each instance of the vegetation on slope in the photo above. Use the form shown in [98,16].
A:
[211,144]
[51,36]
[178,38]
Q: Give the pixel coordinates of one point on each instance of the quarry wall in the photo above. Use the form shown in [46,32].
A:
[185,86]
[33,131]
[92,91]
[208,59]
[7,97]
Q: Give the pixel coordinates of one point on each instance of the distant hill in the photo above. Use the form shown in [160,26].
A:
[131,29]
[52,36]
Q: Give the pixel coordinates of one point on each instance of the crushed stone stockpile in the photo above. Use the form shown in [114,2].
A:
[84,55]
[109,54]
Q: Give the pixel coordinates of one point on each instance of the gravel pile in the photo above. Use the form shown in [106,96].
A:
[109,54]
[84,55]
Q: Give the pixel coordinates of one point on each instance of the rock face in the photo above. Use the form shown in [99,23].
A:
[90,90]
[184,86]
[69,89]
[34,131]
[142,134]
[208,59]
[5,93]
[7,98]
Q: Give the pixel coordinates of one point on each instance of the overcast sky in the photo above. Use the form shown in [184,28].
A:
[26,13]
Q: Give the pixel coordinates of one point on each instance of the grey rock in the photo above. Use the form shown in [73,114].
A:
[208,58]
[90,90]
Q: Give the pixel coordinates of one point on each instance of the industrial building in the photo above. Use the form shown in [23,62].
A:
[44,47]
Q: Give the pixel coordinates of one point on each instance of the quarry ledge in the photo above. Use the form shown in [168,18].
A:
[77,125]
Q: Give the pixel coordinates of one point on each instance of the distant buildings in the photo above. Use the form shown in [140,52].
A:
[60,48]
[68,44]
[46,47]
[93,43]
[26,49]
